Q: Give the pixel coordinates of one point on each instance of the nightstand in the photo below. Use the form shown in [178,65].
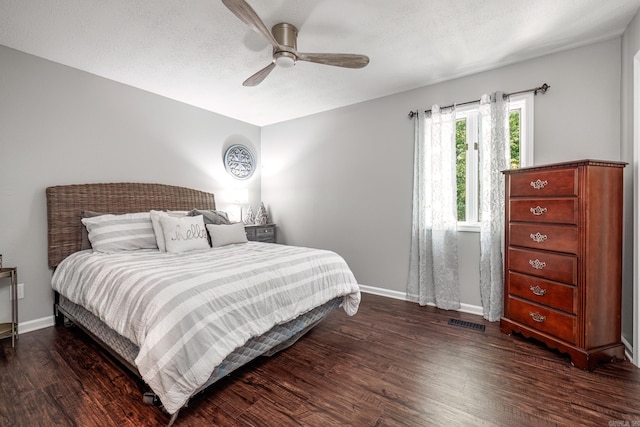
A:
[261,233]
[10,329]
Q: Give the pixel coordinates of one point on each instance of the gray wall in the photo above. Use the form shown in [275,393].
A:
[59,125]
[342,179]
[339,180]
[630,46]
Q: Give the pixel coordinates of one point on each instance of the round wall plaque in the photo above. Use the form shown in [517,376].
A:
[239,161]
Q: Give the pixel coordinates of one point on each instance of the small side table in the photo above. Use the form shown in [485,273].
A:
[10,329]
[261,233]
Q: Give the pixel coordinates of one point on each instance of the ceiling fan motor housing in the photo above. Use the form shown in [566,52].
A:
[286,35]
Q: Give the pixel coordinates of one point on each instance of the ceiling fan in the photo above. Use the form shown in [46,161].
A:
[283,38]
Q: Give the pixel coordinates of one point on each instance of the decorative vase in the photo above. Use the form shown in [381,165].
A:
[262,217]
[248,216]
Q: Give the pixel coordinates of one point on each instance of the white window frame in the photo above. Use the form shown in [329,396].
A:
[470,113]
[524,103]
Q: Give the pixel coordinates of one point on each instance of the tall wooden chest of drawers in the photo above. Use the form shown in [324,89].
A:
[563,258]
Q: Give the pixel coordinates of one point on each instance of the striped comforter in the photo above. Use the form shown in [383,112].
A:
[188,311]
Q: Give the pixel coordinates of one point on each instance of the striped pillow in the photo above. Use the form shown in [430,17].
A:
[115,233]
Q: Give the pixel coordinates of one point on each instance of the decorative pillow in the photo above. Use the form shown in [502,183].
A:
[226,234]
[184,234]
[212,217]
[127,232]
[84,233]
[157,227]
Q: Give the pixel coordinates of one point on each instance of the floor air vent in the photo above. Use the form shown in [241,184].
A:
[464,324]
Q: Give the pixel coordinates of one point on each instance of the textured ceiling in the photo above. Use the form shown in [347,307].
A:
[199,53]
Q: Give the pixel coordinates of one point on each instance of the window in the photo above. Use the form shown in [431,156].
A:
[521,130]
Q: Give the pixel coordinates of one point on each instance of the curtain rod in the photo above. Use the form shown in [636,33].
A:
[540,89]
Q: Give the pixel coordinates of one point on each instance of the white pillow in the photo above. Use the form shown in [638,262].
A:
[157,227]
[127,232]
[226,234]
[184,234]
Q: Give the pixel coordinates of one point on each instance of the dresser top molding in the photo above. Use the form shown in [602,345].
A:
[573,163]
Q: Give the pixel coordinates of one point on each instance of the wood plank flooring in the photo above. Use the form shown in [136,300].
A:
[393,364]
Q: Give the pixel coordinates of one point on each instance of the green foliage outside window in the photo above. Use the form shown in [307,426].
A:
[514,131]
[461,167]
[461,157]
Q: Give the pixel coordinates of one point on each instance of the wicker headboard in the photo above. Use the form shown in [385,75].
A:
[66,203]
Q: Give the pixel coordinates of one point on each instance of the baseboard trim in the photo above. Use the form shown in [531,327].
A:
[36,324]
[471,309]
[628,351]
[383,292]
[464,308]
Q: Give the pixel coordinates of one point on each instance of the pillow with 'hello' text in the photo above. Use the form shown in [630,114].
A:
[157,227]
[184,234]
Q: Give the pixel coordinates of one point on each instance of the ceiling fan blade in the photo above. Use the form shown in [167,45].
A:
[246,14]
[258,77]
[336,59]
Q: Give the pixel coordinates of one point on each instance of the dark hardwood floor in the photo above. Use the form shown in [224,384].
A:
[393,364]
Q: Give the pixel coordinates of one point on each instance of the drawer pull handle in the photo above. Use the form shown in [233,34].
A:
[538,210]
[537,317]
[537,290]
[539,185]
[537,264]
[538,238]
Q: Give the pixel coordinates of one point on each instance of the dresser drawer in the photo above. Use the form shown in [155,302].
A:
[563,326]
[562,211]
[264,234]
[559,182]
[559,238]
[555,295]
[561,268]
[261,233]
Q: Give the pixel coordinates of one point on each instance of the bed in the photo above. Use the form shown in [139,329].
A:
[180,321]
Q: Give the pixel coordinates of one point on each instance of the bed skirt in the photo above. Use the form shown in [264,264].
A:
[276,339]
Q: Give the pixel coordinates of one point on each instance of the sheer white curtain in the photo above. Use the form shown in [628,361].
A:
[495,156]
[433,265]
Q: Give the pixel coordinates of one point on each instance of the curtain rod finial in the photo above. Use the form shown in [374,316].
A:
[542,89]
[412,113]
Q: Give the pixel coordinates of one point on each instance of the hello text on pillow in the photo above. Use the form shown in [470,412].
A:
[184,234]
